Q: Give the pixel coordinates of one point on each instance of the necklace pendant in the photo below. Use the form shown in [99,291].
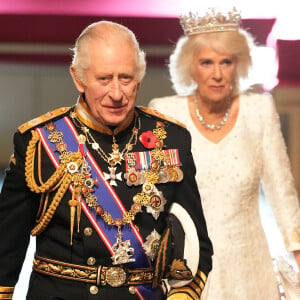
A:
[112,176]
[123,252]
[115,157]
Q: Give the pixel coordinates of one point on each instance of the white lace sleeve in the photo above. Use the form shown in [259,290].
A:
[278,182]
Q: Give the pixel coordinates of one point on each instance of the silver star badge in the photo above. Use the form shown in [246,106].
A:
[152,243]
[156,204]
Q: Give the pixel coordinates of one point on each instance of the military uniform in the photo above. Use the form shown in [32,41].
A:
[62,159]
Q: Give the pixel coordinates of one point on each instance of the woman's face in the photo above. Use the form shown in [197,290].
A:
[214,74]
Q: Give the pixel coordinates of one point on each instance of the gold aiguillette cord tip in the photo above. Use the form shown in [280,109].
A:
[73,204]
[78,212]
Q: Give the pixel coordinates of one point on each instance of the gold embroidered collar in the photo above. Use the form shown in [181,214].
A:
[84,115]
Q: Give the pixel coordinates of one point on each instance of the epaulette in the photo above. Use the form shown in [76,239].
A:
[156,113]
[43,118]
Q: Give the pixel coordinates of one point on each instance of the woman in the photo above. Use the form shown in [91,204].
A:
[237,146]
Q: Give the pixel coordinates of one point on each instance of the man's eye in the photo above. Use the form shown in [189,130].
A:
[103,79]
[125,78]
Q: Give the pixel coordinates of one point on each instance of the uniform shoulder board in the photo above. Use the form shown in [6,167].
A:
[43,118]
[156,113]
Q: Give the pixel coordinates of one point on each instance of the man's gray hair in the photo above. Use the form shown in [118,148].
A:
[104,30]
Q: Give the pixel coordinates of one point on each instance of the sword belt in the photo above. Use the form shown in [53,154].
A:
[97,275]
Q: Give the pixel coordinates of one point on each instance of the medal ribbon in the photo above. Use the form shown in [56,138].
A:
[109,201]
[142,160]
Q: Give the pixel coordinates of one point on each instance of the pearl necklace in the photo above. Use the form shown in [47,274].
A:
[211,126]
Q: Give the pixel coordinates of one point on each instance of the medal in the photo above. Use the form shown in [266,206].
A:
[156,204]
[123,252]
[134,178]
[112,176]
[152,243]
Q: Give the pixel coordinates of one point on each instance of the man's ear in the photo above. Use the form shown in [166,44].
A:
[78,83]
[138,86]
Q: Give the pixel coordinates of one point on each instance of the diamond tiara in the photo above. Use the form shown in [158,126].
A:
[212,21]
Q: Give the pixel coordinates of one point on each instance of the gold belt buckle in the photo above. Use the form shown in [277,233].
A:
[115,276]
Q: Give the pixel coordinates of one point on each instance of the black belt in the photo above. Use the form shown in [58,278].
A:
[98,275]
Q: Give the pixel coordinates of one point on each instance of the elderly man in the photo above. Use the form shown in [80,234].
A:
[107,188]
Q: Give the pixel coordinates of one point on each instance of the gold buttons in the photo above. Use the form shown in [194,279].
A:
[94,290]
[91,261]
[132,290]
[88,231]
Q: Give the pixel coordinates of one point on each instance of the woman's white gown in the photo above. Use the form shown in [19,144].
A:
[229,176]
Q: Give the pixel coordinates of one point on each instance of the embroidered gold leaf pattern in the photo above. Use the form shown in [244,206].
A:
[160,133]
[158,154]
[128,217]
[141,198]
[152,177]
[55,136]
[179,270]
[78,179]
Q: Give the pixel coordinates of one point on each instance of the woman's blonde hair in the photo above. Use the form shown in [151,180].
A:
[237,43]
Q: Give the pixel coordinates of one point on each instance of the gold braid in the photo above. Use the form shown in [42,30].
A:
[46,218]
[29,168]
[60,180]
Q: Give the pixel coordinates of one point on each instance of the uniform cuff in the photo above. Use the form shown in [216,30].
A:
[6,292]
[194,288]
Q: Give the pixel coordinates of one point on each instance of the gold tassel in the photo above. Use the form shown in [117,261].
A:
[78,211]
[73,204]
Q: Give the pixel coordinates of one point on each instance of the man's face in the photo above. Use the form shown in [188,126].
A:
[110,84]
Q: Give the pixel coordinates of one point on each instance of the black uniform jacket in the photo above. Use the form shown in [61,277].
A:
[19,207]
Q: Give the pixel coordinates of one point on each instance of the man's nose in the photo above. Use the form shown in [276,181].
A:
[116,90]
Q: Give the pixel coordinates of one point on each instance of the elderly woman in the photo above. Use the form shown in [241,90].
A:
[238,146]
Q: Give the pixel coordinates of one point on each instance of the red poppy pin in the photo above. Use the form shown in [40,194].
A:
[148,139]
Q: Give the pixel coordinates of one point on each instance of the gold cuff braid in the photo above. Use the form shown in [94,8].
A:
[194,288]
[6,296]
[6,292]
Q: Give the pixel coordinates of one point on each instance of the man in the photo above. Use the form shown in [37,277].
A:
[107,188]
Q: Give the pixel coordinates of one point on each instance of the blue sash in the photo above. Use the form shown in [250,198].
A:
[109,201]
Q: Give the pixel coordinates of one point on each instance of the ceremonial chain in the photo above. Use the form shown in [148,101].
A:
[148,194]
[211,126]
[115,157]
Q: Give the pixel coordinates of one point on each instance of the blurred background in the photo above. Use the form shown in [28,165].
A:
[36,37]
